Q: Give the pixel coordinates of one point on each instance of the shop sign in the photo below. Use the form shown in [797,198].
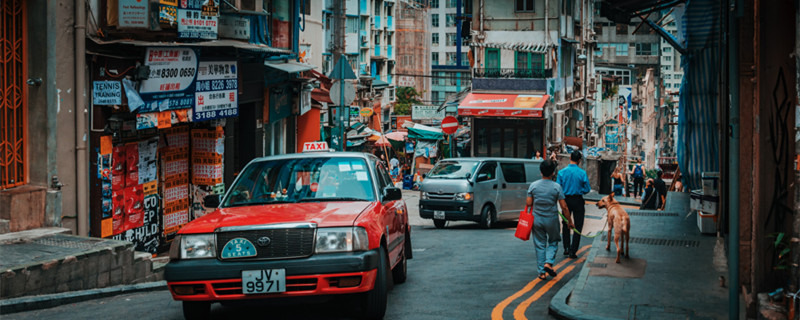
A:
[132,13]
[147,237]
[426,113]
[217,91]
[234,27]
[167,11]
[193,24]
[107,93]
[170,84]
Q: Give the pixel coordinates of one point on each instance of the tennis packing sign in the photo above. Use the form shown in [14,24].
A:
[217,91]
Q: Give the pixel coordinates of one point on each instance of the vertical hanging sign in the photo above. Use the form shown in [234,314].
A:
[217,91]
[198,19]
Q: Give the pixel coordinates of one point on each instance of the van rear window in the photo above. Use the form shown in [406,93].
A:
[513,172]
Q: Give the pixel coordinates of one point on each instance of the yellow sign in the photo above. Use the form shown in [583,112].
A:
[365,112]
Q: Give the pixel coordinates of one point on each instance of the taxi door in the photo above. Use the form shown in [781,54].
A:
[392,212]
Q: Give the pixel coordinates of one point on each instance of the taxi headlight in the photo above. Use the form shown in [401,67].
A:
[341,240]
[464,196]
[423,195]
[197,246]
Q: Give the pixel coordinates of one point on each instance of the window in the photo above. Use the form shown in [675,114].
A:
[435,39]
[513,172]
[451,58]
[435,20]
[529,61]
[442,80]
[622,29]
[377,38]
[434,58]
[434,96]
[492,58]
[352,25]
[522,60]
[668,58]
[524,6]
[451,39]
[489,169]
[434,3]
[450,20]
[377,8]
[678,76]
[451,3]
[646,49]
[668,85]
[667,49]
[667,67]
[667,76]
[464,59]
[453,77]
[598,28]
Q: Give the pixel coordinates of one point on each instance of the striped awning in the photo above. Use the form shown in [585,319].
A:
[516,46]
[698,138]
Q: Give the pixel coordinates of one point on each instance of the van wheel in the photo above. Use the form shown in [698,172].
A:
[439,223]
[196,310]
[488,217]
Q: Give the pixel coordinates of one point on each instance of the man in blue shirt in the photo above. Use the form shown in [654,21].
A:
[575,183]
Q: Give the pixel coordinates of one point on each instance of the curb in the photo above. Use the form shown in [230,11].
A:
[561,310]
[22,304]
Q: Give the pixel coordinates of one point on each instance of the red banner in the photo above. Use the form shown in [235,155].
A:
[502,105]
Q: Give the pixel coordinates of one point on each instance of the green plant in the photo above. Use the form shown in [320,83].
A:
[406,97]
[783,250]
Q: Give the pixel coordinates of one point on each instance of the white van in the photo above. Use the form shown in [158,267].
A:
[483,190]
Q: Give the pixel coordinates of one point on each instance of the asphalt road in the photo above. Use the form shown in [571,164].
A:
[460,272]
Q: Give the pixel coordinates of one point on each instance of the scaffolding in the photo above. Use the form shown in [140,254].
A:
[413,51]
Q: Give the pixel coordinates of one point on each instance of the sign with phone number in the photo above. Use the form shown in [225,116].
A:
[170,84]
[217,92]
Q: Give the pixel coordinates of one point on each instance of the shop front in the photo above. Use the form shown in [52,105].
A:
[505,125]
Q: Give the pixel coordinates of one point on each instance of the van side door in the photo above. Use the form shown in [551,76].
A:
[486,186]
[513,188]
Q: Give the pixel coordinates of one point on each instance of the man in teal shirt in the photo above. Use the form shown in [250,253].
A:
[575,183]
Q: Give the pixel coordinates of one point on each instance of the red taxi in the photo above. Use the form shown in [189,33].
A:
[310,224]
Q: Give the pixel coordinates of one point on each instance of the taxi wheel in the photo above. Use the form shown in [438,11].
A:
[374,302]
[196,310]
[487,217]
[439,223]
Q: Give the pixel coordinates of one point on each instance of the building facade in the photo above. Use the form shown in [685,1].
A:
[450,68]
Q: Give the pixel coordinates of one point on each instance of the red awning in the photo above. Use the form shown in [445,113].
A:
[502,105]
[321,95]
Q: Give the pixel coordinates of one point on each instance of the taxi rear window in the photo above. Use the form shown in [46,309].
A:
[302,180]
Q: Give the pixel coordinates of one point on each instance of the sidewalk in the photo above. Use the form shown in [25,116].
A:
[672,272]
[595,196]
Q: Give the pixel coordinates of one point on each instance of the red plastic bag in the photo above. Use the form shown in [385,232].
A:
[524,225]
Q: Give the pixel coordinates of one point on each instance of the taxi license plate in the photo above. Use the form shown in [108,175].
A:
[263,281]
[437,214]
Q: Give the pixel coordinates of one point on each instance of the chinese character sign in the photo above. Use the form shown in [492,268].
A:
[197,19]
[171,80]
[217,91]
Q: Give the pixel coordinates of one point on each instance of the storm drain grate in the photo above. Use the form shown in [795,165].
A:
[662,242]
[647,213]
[598,265]
[68,242]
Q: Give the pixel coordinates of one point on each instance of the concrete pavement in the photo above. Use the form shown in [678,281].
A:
[673,272]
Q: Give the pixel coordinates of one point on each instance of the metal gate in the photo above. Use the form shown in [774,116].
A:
[13,94]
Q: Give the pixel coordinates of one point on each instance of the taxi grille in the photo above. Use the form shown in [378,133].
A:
[284,243]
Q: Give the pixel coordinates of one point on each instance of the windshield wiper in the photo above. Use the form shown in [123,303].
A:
[331,199]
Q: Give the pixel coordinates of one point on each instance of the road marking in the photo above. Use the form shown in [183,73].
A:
[497,312]
[519,312]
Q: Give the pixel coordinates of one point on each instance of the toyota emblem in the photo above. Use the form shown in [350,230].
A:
[440,191]
[263,241]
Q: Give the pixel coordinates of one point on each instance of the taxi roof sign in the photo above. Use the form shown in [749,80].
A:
[315,146]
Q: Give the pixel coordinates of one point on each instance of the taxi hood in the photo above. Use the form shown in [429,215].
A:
[324,214]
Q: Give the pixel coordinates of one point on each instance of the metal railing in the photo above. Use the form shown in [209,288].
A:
[511,73]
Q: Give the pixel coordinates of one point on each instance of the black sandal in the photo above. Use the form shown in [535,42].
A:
[550,271]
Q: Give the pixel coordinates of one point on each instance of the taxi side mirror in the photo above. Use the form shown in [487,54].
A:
[392,194]
[211,201]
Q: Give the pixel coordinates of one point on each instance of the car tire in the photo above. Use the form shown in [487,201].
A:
[408,251]
[439,223]
[196,310]
[488,217]
[374,302]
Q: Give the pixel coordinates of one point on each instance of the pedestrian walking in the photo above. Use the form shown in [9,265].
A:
[649,197]
[575,183]
[661,190]
[638,178]
[544,197]
[619,181]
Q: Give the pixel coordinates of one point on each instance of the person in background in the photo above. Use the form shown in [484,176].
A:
[575,184]
[649,196]
[619,181]
[661,190]
[394,164]
[537,155]
[638,178]
[678,185]
[544,197]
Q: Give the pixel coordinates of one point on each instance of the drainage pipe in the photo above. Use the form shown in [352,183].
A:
[733,168]
[81,162]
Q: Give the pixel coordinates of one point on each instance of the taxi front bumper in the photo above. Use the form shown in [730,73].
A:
[319,274]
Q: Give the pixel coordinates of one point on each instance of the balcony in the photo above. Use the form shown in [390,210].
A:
[389,79]
[377,50]
[389,52]
[390,22]
[377,20]
[513,73]
[363,7]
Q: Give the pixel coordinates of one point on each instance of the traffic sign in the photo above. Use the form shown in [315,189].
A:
[349,92]
[365,112]
[449,125]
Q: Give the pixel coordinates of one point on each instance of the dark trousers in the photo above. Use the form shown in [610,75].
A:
[575,204]
[638,186]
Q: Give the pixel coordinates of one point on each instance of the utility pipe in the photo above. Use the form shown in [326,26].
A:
[733,169]
[81,162]
[546,23]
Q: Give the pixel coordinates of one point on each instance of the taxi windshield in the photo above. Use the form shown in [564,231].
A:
[302,180]
[453,170]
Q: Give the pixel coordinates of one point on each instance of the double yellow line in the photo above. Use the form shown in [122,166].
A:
[519,312]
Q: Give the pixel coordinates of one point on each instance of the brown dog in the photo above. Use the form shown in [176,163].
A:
[619,222]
